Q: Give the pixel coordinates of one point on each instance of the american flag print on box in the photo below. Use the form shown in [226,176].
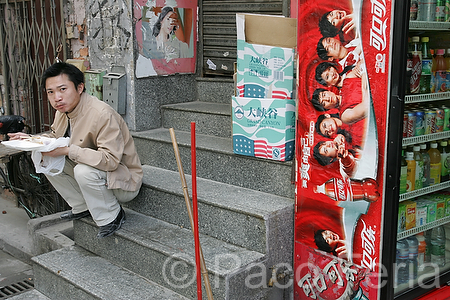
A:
[264,127]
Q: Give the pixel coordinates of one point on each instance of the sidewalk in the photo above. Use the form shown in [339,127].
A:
[14,236]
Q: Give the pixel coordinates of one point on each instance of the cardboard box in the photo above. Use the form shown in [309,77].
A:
[421,213]
[410,214]
[264,127]
[265,56]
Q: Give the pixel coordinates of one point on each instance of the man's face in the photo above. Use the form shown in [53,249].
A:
[329,149]
[336,18]
[62,93]
[330,76]
[330,238]
[333,47]
[329,127]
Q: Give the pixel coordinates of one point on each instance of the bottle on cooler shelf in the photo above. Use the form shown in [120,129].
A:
[418,183]
[427,235]
[427,61]
[447,10]
[438,246]
[413,10]
[403,172]
[439,71]
[427,10]
[411,171]
[409,63]
[413,244]
[445,160]
[421,249]
[416,69]
[426,165]
[440,11]
[401,262]
[435,164]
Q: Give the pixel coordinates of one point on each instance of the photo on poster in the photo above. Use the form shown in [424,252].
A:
[166,36]
[338,175]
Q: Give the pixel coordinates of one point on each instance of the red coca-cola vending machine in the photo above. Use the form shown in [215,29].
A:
[351,79]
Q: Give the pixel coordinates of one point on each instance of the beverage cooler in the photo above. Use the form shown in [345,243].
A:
[372,207]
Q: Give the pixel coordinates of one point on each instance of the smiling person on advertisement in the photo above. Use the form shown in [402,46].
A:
[102,167]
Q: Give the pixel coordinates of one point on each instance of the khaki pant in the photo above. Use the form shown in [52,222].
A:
[84,187]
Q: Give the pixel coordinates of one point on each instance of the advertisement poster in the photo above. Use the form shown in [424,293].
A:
[342,88]
[166,32]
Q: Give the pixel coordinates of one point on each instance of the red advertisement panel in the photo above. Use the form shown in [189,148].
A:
[342,88]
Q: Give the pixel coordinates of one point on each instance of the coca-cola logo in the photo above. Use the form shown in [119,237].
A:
[379,25]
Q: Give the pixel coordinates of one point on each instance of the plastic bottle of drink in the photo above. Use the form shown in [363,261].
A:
[440,71]
[421,249]
[445,160]
[402,266]
[416,69]
[427,62]
[418,183]
[413,253]
[440,11]
[427,235]
[403,172]
[409,67]
[435,164]
[426,165]
[413,10]
[427,10]
[438,246]
[433,71]
[411,171]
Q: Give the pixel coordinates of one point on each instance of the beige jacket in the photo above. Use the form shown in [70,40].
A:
[100,138]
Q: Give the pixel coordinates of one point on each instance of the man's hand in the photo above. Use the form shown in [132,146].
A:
[350,25]
[18,136]
[57,152]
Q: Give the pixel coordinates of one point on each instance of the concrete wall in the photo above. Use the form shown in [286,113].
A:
[103,34]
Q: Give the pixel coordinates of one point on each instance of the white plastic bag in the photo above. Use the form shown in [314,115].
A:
[50,165]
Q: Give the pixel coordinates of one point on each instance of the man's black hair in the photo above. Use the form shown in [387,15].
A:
[320,241]
[322,159]
[321,51]
[326,28]
[319,121]
[74,74]
[315,100]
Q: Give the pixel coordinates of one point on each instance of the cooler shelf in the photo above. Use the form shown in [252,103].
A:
[424,191]
[425,227]
[426,25]
[420,98]
[425,138]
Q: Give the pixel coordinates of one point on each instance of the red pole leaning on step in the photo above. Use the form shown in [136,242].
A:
[195,211]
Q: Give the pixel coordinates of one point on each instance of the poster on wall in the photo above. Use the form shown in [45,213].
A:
[342,88]
[166,33]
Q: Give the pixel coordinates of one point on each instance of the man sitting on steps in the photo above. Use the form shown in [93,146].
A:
[102,166]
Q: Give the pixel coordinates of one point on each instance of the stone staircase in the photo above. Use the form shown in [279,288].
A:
[246,208]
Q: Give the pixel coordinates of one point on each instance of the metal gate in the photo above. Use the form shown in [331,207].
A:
[31,34]
[217,30]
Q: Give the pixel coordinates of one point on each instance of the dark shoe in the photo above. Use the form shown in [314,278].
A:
[69,216]
[110,228]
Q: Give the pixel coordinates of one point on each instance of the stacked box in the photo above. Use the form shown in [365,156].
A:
[410,207]
[264,127]
[421,213]
[265,56]
[263,112]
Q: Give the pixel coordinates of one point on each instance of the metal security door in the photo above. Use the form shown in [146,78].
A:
[217,30]
[31,36]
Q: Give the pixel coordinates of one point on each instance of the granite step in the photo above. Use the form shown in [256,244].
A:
[240,216]
[215,161]
[164,253]
[74,273]
[210,118]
